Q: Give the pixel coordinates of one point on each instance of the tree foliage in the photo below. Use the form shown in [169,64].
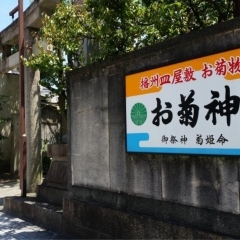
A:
[111,28]
[121,26]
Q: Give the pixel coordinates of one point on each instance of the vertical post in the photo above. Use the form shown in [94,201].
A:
[236,8]
[22,102]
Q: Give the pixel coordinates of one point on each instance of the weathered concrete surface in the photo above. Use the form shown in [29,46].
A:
[98,158]
[32,19]
[41,213]
[57,175]
[94,171]
[10,147]
[32,124]
[202,181]
[175,213]
[10,63]
[57,151]
[97,222]
[97,137]
[54,187]
[51,194]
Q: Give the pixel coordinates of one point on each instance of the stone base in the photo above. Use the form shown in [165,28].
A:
[54,187]
[40,213]
[50,194]
[91,221]
[57,175]
[96,222]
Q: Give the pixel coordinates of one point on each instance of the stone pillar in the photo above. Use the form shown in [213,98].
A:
[33,123]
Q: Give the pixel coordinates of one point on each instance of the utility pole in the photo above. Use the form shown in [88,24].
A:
[23,150]
[23,142]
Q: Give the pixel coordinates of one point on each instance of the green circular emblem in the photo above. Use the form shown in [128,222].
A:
[138,114]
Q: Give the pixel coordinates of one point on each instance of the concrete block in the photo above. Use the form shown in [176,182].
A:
[108,198]
[44,214]
[7,203]
[228,184]
[206,235]
[228,224]
[98,221]
[57,175]
[117,131]
[21,207]
[48,216]
[90,158]
[57,151]
[225,41]
[190,180]
[83,232]
[51,194]
[145,206]
[16,206]
[144,175]
[179,231]
[33,126]
[28,209]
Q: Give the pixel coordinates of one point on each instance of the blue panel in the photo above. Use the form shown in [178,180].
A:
[133,140]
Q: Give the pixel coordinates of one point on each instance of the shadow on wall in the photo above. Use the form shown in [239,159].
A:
[200,181]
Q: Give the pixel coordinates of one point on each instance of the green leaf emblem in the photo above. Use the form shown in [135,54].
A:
[139,114]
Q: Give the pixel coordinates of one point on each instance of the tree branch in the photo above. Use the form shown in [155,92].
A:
[196,14]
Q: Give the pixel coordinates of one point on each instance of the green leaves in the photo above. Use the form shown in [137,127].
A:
[76,35]
[96,30]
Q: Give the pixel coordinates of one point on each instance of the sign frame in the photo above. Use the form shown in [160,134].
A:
[216,77]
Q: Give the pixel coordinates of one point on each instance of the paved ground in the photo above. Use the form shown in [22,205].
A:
[15,228]
[8,188]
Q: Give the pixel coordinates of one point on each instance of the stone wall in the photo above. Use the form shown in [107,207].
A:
[197,192]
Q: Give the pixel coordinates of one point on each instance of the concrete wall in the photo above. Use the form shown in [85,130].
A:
[10,147]
[10,63]
[194,191]
[50,124]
